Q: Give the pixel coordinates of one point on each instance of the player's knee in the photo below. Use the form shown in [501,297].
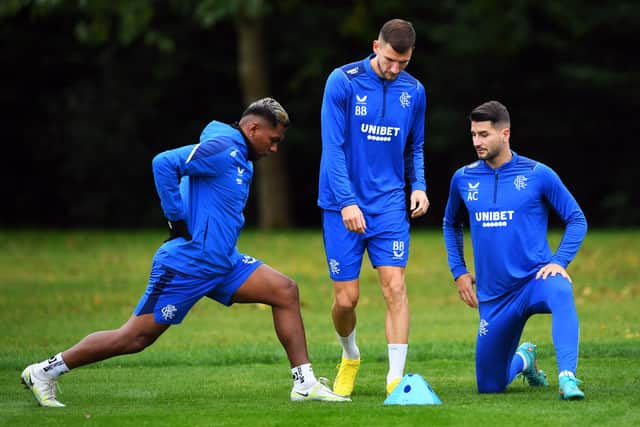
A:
[288,291]
[395,291]
[345,301]
[560,293]
[491,387]
[489,390]
[565,291]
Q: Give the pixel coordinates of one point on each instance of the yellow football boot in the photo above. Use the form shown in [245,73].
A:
[346,378]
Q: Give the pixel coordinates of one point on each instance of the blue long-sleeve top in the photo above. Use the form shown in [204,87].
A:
[508,213]
[207,185]
[372,139]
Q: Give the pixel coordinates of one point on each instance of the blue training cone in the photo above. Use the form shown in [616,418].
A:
[413,390]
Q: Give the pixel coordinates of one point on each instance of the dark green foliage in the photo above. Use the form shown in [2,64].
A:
[92,90]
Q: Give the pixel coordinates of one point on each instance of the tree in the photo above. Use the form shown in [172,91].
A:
[99,21]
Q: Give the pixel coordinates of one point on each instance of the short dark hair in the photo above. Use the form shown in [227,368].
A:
[492,111]
[269,109]
[399,34]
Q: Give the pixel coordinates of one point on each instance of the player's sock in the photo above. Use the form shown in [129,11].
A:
[525,363]
[349,348]
[53,367]
[566,374]
[303,377]
[397,358]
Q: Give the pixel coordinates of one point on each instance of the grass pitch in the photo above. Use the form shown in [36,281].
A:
[224,366]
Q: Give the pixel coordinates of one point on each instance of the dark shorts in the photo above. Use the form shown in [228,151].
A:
[170,294]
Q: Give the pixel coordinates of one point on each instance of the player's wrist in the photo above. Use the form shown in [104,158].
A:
[178,228]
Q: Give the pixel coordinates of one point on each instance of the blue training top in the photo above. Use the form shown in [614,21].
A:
[372,139]
[508,211]
[207,185]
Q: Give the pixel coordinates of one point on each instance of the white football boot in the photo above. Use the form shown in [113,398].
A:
[318,392]
[43,389]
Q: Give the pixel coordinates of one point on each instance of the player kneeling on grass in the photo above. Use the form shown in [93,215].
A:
[507,198]
[203,190]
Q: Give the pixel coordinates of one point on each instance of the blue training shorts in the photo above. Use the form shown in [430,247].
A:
[170,294]
[386,240]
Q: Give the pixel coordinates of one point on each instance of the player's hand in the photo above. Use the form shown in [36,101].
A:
[552,269]
[353,219]
[419,203]
[178,229]
[466,289]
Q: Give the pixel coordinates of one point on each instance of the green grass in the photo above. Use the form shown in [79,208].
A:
[224,366]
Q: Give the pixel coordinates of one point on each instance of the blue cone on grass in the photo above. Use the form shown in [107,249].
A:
[413,389]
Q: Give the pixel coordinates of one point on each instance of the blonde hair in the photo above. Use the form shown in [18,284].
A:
[270,109]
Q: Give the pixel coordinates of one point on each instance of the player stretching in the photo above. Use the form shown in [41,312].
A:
[508,197]
[203,190]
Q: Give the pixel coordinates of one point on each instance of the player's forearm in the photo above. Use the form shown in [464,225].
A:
[574,234]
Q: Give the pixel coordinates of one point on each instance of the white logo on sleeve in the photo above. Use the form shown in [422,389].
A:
[249,259]
[239,180]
